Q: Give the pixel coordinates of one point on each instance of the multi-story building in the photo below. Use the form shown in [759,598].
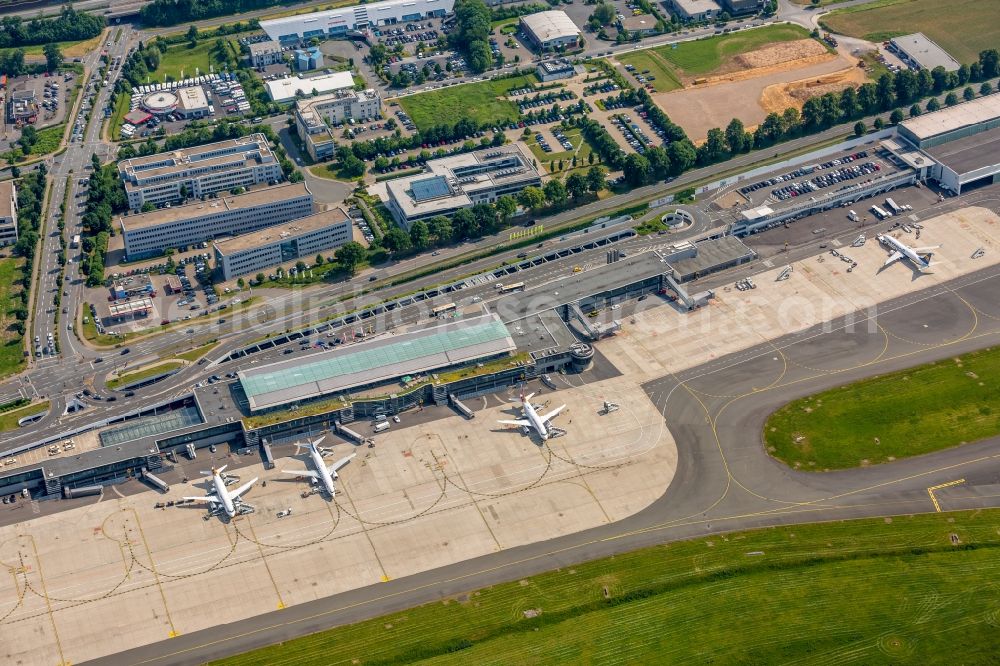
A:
[312,117]
[201,170]
[22,107]
[288,88]
[338,22]
[303,238]
[310,58]
[148,234]
[8,212]
[460,181]
[266,53]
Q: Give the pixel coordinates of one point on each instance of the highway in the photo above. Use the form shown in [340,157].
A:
[724,481]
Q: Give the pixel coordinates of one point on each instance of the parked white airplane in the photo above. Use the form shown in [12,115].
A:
[531,418]
[920,257]
[322,474]
[221,498]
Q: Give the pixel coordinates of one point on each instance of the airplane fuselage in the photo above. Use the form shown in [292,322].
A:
[223,494]
[536,422]
[904,250]
[325,478]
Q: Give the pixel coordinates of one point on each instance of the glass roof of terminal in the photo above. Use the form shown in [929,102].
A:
[348,362]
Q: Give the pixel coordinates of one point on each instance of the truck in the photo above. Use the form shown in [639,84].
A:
[75,242]
[381,426]
[893,206]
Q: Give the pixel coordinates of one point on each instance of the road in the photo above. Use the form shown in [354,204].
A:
[724,481]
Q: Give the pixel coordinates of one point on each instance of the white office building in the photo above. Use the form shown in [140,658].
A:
[460,181]
[338,22]
[201,170]
[266,53]
[8,212]
[550,30]
[286,89]
[694,10]
[148,234]
[303,239]
[313,117]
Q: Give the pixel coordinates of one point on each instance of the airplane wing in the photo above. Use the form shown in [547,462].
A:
[524,423]
[551,415]
[212,498]
[304,472]
[242,489]
[895,256]
[924,250]
[340,463]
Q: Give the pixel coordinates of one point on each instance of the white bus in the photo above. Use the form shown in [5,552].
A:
[443,309]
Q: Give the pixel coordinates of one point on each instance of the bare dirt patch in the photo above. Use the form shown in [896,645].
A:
[780,96]
[776,54]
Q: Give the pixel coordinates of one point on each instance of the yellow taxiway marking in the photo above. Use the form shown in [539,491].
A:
[930,491]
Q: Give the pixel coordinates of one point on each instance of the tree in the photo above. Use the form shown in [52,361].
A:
[896,117]
[986,89]
[420,236]
[555,191]
[714,147]
[604,13]
[440,229]
[192,35]
[183,192]
[596,178]
[531,197]
[951,99]
[735,133]
[319,260]
[396,240]
[352,167]
[878,124]
[968,94]
[241,283]
[506,207]
[933,104]
[576,185]
[349,255]
[682,156]
[859,129]
[29,137]
[259,278]
[635,169]
[53,56]
[300,267]
[915,111]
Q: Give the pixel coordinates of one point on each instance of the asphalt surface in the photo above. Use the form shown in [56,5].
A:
[725,481]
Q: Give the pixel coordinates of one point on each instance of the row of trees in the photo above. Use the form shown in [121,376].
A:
[69,25]
[471,34]
[172,12]
[105,197]
[30,195]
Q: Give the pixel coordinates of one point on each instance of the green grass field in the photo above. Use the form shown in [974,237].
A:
[118,116]
[581,148]
[482,102]
[193,355]
[704,56]
[179,61]
[864,592]
[11,349]
[48,140]
[964,29]
[8,420]
[665,81]
[911,412]
[72,49]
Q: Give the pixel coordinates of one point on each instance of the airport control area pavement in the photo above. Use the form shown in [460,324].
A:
[442,505]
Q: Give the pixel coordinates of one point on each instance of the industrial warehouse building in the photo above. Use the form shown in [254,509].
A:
[8,213]
[460,181]
[735,7]
[694,10]
[201,170]
[148,234]
[370,364]
[312,117]
[920,52]
[286,89]
[303,238]
[550,30]
[963,140]
[338,22]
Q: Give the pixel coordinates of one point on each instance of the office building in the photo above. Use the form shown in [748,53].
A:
[920,52]
[149,234]
[286,89]
[8,212]
[310,58]
[339,22]
[266,53]
[303,239]
[736,7]
[22,107]
[550,30]
[550,70]
[200,170]
[694,10]
[460,181]
[314,115]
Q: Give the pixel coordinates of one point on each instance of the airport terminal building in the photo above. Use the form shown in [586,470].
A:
[149,234]
[339,22]
[460,181]
[201,170]
[303,238]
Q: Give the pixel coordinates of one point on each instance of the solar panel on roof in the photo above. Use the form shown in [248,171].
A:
[429,188]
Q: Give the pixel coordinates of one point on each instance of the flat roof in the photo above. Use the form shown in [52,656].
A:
[374,362]
[285,89]
[553,24]
[6,198]
[697,6]
[979,110]
[282,232]
[255,197]
[711,254]
[268,46]
[129,307]
[969,153]
[577,286]
[925,52]
[192,98]
[249,142]
[640,22]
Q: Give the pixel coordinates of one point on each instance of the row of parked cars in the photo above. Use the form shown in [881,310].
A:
[405,119]
[825,180]
[803,171]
